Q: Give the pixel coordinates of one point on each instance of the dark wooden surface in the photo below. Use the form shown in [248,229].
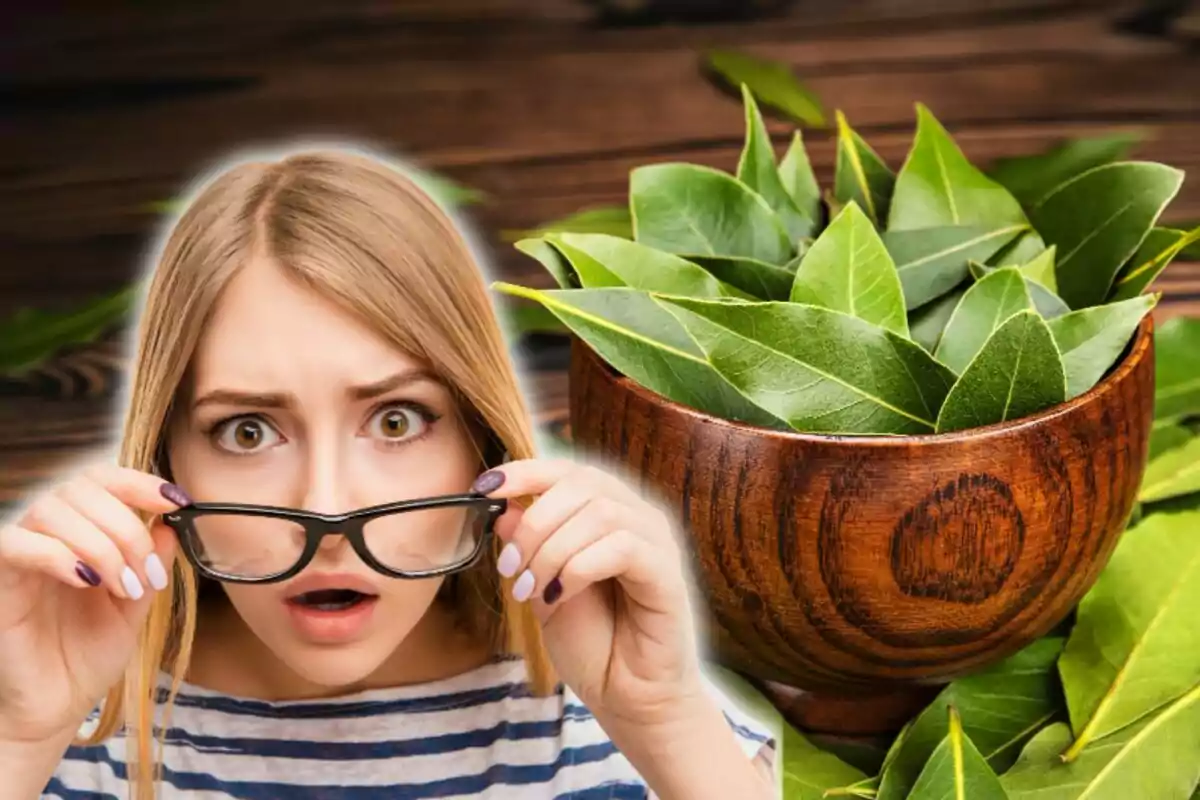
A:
[106,109]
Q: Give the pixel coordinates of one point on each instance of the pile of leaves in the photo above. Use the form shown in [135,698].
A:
[1107,708]
[933,299]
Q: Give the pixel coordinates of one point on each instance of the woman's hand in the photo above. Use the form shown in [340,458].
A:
[78,569]
[605,574]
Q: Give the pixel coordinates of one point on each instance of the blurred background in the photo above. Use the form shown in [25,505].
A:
[535,109]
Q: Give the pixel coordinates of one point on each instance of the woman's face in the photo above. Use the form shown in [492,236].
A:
[294,403]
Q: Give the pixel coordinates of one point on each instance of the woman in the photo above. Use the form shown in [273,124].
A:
[317,339]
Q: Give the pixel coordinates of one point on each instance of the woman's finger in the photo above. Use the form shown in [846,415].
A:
[26,551]
[166,546]
[140,490]
[121,524]
[535,476]
[52,516]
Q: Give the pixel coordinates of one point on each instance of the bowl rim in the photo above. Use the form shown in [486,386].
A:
[1137,352]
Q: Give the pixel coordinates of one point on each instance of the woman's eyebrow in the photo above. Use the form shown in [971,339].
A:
[392,382]
[233,397]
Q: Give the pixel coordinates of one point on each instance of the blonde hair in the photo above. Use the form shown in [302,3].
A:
[364,235]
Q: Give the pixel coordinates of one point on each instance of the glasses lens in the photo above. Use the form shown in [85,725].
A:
[246,545]
[427,538]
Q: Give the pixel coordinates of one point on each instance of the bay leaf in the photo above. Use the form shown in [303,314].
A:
[1041,269]
[1017,372]
[554,262]
[956,770]
[848,269]
[771,82]
[1135,644]
[641,340]
[818,369]
[1091,339]
[30,336]
[808,772]
[796,172]
[1098,220]
[984,308]
[1156,759]
[932,261]
[756,168]
[1177,368]
[757,278]
[525,318]
[599,258]
[1158,249]
[938,186]
[1047,303]
[613,220]
[860,174]
[1173,473]
[1020,251]
[1167,435]
[927,323]
[690,209]
[1001,708]
[1031,177]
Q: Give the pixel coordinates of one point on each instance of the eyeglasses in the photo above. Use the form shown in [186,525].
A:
[425,538]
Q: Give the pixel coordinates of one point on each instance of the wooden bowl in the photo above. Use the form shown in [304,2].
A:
[834,563]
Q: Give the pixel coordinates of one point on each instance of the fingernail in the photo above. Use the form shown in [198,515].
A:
[156,573]
[488,482]
[509,561]
[87,574]
[523,588]
[176,495]
[553,591]
[133,587]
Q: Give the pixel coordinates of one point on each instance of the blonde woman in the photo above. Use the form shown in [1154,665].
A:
[298,583]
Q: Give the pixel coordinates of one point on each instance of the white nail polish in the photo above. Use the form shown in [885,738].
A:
[133,587]
[523,588]
[509,560]
[156,573]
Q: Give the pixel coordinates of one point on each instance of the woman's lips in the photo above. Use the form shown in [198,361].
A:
[320,617]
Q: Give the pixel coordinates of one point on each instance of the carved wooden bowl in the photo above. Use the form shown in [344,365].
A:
[838,563]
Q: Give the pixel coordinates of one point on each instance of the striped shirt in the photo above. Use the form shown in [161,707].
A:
[479,734]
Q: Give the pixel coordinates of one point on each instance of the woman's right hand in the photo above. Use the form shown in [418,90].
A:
[78,570]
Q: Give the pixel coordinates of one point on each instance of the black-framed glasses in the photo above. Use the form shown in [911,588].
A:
[238,543]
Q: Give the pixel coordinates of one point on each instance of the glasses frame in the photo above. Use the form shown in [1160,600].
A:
[317,526]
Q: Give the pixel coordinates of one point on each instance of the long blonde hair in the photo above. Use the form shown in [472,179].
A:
[360,232]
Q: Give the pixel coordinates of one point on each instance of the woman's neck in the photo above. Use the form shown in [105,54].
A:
[228,657]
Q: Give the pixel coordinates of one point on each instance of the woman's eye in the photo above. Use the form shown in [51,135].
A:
[396,424]
[246,435]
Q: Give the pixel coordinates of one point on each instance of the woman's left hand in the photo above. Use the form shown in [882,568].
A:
[605,574]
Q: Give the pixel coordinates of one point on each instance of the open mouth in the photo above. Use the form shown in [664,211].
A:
[331,599]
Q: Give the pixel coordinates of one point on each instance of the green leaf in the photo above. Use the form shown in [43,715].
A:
[797,175]
[927,323]
[809,772]
[1001,708]
[688,209]
[956,770]
[613,220]
[1098,220]
[860,174]
[446,192]
[1047,303]
[1041,269]
[933,261]
[1157,759]
[527,318]
[1177,368]
[984,308]
[554,262]
[1017,373]
[1172,474]
[771,82]
[790,359]
[1091,339]
[762,280]
[1136,645]
[630,331]
[1157,250]
[1166,436]
[30,337]
[1031,177]
[1020,251]
[848,269]
[756,169]
[601,260]
[938,186]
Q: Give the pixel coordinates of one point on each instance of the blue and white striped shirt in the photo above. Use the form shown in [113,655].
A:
[479,734]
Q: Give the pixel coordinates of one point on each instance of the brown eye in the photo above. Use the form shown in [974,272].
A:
[398,424]
[245,435]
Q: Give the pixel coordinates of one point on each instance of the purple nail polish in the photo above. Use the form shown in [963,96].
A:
[87,574]
[176,495]
[553,591]
[489,481]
